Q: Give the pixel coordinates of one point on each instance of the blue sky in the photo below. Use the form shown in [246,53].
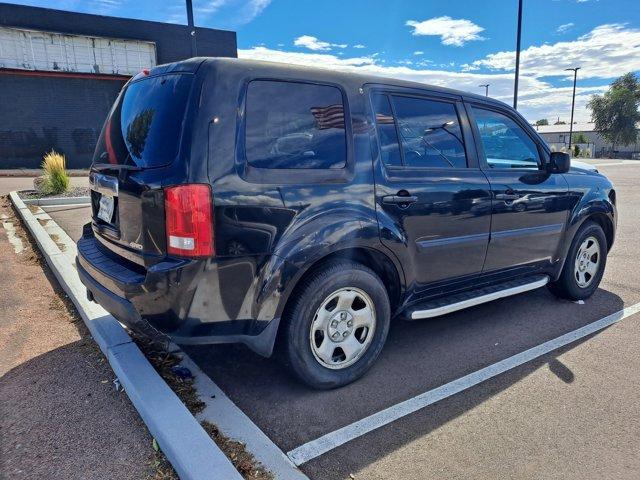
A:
[459,43]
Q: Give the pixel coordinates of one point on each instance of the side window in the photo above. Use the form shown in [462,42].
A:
[386,128]
[506,144]
[430,133]
[294,125]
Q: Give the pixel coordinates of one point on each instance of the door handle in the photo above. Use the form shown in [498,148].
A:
[399,199]
[507,196]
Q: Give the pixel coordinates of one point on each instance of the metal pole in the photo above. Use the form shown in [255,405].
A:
[573,101]
[515,86]
[192,29]
[486,89]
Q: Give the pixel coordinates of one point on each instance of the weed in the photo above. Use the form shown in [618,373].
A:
[56,179]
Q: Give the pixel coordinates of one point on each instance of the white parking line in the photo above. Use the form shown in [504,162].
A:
[328,442]
[622,162]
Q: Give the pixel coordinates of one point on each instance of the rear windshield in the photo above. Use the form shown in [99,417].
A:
[145,125]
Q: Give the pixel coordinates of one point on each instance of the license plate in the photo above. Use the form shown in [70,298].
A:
[106,208]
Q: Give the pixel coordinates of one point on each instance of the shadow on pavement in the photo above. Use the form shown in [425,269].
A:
[359,453]
[418,357]
[61,413]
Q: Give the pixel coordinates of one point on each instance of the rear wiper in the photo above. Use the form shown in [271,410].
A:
[121,166]
[111,166]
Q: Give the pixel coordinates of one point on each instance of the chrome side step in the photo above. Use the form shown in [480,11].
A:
[458,302]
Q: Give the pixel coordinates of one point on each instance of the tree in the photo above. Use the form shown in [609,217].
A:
[138,130]
[615,113]
[560,122]
[542,121]
[580,138]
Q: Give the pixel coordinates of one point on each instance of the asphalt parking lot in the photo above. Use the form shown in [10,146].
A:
[573,413]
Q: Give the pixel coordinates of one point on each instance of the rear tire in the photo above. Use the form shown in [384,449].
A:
[584,266]
[337,324]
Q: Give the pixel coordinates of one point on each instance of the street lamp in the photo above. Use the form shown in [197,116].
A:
[192,28]
[486,89]
[515,86]
[573,100]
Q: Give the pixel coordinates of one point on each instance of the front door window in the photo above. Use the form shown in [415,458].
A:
[506,144]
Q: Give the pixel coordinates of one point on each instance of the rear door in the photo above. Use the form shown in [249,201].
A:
[529,205]
[140,140]
[433,202]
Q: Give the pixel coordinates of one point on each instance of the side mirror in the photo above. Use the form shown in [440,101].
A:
[559,162]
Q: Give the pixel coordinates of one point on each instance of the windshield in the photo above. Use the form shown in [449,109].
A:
[144,126]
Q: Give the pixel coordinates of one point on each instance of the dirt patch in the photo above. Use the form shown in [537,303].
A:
[163,362]
[162,468]
[56,239]
[244,462]
[60,410]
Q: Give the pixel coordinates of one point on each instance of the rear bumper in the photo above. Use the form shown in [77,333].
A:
[176,299]
[117,306]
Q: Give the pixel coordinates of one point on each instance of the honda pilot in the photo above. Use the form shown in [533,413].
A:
[279,205]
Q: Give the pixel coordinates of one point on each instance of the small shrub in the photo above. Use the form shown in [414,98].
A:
[56,180]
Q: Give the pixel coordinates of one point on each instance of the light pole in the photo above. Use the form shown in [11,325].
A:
[573,100]
[192,29]
[486,89]
[515,86]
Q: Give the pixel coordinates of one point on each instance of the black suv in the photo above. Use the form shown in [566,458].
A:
[268,204]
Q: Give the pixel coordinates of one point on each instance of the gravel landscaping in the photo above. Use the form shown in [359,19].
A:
[72,192]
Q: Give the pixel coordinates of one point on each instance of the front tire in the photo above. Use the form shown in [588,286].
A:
[584,266]
[337,324]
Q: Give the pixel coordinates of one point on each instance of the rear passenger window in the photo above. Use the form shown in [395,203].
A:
[293,125]
[430,133]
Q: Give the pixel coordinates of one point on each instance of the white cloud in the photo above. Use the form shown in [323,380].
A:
[302,58]
[108,3]
[605,52]
[209,7]
[564,27]
[244,11]
[313,43]
[450,30]
[359,45]
[253,8]
[418,52]
[105,6]
[536,98]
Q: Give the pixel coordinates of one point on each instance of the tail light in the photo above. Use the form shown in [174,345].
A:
[189,221]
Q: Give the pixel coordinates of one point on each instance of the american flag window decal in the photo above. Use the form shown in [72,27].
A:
[329,117]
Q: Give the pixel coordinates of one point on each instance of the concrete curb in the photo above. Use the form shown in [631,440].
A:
[231,421]
[182,439]
[48,202]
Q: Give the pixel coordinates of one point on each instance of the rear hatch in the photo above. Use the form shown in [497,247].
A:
[140,141]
